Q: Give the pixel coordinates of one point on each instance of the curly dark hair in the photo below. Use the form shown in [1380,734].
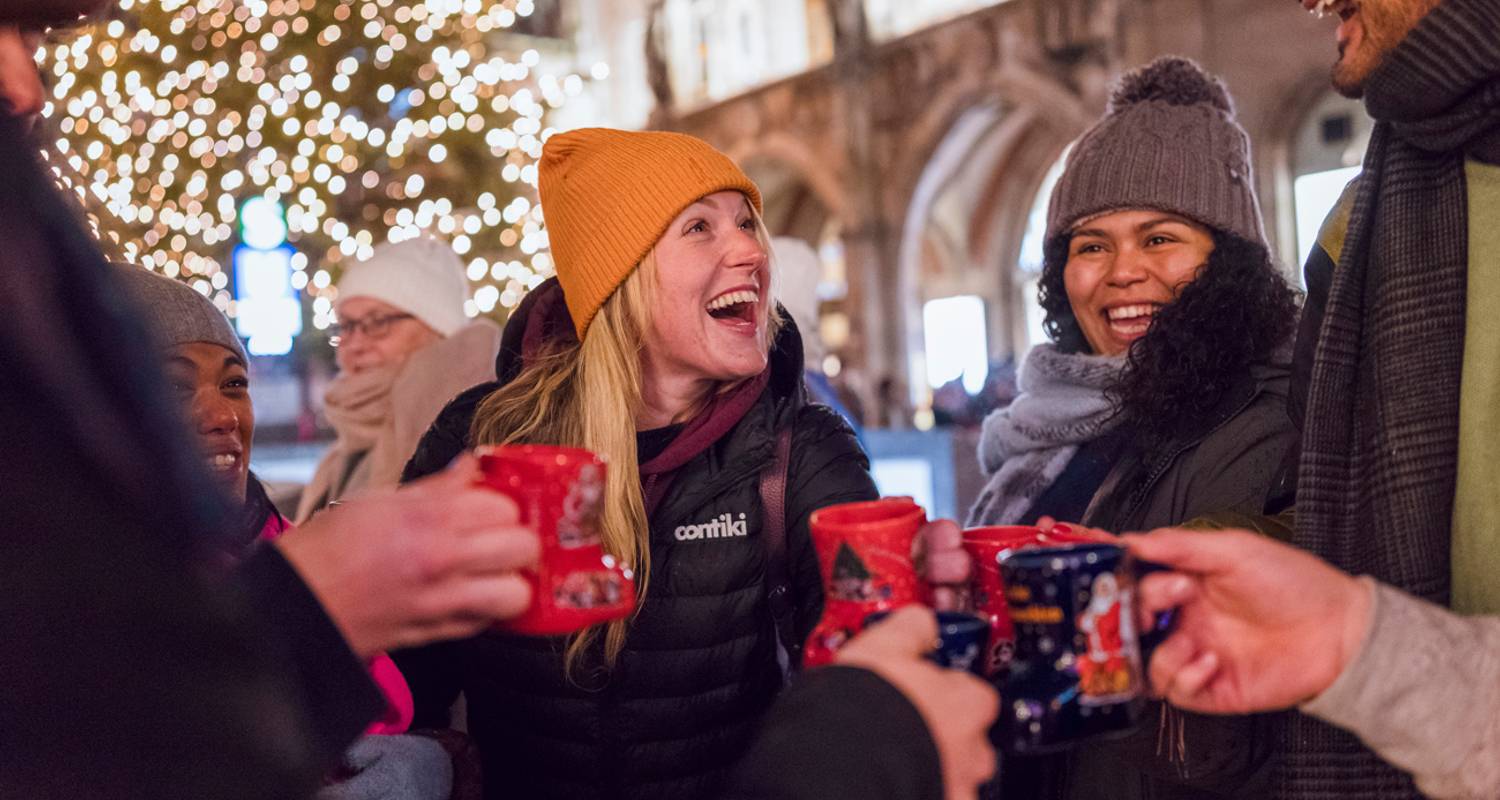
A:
[1237,312]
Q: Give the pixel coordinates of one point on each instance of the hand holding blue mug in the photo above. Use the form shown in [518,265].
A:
[958,708]
[1262,625]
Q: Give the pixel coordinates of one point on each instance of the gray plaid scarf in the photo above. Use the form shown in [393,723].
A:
[1380,443]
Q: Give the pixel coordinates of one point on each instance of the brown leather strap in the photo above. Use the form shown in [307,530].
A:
[778,572]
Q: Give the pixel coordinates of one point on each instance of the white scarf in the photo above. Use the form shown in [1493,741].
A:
[381,415]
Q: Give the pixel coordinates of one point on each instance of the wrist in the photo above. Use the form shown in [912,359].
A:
[1354,625]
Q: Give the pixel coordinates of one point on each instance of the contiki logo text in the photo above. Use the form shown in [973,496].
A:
[720,527]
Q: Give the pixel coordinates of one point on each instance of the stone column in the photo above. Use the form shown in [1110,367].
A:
[870,242]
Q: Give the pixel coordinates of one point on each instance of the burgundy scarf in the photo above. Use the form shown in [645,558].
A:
[720,416]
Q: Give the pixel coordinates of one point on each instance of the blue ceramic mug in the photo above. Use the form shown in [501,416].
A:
[963,640]
[1077,669]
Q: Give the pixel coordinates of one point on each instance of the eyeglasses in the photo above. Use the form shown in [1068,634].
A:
[375,326]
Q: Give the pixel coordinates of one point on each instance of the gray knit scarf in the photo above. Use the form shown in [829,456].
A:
[1025,446]
[1380,442]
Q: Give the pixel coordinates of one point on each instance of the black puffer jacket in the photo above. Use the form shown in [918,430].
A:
[699,666]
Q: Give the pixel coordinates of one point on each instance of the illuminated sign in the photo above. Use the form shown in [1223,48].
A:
[268,311]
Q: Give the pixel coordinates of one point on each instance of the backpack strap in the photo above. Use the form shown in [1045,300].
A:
[778,573]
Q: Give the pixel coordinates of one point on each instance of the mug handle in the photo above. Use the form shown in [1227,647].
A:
[1162,624]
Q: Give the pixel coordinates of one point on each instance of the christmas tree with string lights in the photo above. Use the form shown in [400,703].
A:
[365,120]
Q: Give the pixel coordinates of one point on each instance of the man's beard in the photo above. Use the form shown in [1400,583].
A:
[1384,24]
[1349,85]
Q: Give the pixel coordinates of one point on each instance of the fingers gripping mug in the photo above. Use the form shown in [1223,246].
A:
[865,559]
[1077,668]
[559,491]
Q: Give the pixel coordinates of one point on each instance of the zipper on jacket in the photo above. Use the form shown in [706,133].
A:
[1138,497]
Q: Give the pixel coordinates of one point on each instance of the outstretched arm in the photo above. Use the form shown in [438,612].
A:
[1263,626]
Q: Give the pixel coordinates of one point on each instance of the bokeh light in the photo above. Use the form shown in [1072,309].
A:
[367,120]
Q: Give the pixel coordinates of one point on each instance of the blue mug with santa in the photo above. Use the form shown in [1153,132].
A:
[1077,672]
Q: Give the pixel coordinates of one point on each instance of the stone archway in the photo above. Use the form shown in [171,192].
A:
[1321,136]
[793,182]
[972,130]
[1276,182]
[861,135]
[792,207]
[982,176]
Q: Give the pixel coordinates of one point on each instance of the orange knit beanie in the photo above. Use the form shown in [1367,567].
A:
[608,195]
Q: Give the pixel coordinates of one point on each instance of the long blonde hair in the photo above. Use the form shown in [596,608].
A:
[586,394]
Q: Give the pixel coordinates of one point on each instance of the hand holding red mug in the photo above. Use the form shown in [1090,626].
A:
[878,555]
[942,562]
[560,493]
[867,559]
[439,559]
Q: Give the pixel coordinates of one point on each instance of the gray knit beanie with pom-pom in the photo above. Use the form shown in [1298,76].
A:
[1169,141]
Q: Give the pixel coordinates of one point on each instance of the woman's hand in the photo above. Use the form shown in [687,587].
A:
[1046,524]
[941,561]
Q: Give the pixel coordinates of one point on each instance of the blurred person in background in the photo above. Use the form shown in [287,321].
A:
[892,407]
[953,405]
[800,271]
[404,349]
[207,370]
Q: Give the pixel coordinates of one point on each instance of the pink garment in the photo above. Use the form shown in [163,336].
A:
[399,706]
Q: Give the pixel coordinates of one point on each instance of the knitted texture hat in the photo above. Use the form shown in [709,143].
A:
[1169,141]
[608,195]
[421,276]
[177,314]
[798,271]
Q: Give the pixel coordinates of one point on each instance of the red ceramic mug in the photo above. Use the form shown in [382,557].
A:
[559,491]
[987,592]
[865,559]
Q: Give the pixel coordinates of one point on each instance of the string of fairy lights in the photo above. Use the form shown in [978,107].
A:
[368,120]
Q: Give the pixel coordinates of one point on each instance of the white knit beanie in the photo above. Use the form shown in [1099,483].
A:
[421,276]
[799,270]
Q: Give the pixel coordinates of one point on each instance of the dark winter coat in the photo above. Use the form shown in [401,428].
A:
[1228,462]
[131,670]
[840,732]
[699,666]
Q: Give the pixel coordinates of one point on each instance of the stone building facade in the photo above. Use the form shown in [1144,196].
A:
[918,163]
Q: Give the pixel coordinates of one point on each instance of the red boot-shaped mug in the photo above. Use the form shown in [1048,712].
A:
[559,491]
[865,559]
